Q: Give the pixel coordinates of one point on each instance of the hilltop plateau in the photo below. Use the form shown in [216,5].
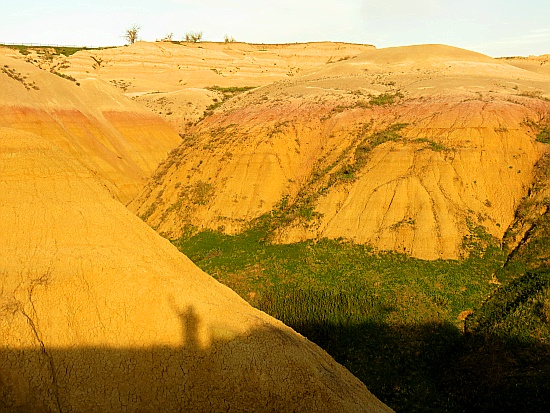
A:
[176,79]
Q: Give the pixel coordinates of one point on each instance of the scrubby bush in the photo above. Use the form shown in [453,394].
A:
[193,37]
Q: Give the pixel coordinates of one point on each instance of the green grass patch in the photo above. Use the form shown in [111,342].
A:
[230,91]
[544,135]
[541,127]
[392,320]
[343,267]
[385,99]
[433,145]
[226,94]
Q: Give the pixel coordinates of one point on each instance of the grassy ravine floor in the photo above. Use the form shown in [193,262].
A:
[393,321]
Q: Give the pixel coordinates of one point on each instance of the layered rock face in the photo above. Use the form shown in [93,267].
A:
[99,313]
[407,149]
[119,140]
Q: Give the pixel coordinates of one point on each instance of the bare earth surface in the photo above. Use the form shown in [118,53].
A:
[99,313]
[172,78]
[406,149]
[118,139]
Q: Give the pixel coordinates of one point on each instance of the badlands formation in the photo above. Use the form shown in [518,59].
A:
[409,149]
[98,312]
[118,139]
[175,80]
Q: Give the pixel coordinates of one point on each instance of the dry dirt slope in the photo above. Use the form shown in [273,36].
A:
[99,313]
[407,149]
[118,139]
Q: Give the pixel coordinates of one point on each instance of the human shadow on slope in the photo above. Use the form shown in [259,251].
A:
[434,367]
[263,370]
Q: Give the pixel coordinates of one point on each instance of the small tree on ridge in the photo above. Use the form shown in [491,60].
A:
[131,34]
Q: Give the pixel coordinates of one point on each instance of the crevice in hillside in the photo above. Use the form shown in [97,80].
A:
[43,350]
[522,242]
[41,281]
[531,211]
[531,253]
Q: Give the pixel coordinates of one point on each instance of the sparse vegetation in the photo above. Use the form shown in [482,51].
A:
[229,92]
[433,145]
[229,39]
[202,193]
[64,76]
[226,94]
[385,99]
[121,84]
[301,209]
[98,62]
[541,126]
[543,135]
[534,94]
[15,75]
[366,143]
[193,37]
[131,34]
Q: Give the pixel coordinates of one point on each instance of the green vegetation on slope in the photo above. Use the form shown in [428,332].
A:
[392,320]
[225,93]
[325,175]
[510,339]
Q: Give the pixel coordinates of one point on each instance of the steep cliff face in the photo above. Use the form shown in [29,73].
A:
[117,139]
[99,313]
[407,149]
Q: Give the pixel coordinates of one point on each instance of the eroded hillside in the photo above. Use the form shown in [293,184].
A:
[408,149]
[99,313]
[116,138]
